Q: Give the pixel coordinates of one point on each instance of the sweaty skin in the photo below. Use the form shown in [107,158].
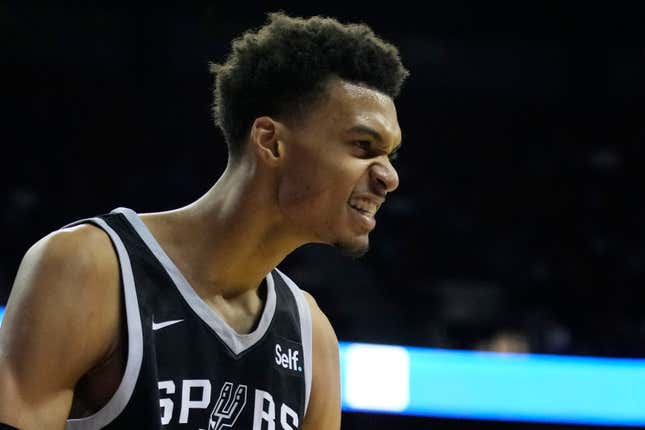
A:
[320,179]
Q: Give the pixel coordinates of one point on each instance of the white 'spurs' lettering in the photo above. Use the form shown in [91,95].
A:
[227,408]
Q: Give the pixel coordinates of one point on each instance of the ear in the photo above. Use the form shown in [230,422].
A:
[265,139]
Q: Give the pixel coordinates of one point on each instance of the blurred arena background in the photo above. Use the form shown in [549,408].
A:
[519,224]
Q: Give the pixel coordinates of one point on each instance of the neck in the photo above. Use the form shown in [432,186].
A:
[229,239]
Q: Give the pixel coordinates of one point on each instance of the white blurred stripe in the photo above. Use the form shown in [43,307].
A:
[377,377]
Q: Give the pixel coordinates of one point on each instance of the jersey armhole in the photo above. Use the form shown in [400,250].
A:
[117,403]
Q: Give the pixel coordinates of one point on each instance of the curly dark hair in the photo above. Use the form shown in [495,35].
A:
[282,69]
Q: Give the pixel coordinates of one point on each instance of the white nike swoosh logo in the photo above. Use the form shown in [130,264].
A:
[157,326]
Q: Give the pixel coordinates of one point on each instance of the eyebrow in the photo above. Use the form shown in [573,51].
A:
[360,128]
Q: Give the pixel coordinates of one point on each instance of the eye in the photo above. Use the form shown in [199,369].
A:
[394,155]
[365,145]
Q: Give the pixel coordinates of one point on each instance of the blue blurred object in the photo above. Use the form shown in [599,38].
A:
[1,313]
[492,386]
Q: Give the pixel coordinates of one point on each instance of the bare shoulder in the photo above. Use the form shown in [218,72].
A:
[70,268]
[79,250]
[321,327]
[325,342]
[83,244]
[64,314]
[324,404]
[72,277]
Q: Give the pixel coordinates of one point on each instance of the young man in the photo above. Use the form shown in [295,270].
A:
[179,319]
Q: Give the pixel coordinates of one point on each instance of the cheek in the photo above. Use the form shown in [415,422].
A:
[315,184]
[304,188]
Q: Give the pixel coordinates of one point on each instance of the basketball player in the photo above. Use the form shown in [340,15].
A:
[180,319]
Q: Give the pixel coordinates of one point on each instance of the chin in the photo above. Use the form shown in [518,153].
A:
[354,249]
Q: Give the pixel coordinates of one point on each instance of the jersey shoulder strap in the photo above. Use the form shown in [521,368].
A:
[304,314]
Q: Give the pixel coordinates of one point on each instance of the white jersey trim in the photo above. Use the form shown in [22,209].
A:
[121,397]
[236,342]
[305,328]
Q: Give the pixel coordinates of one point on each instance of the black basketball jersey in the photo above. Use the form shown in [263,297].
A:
[186,368]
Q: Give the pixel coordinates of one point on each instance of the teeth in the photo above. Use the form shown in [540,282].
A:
[364,206]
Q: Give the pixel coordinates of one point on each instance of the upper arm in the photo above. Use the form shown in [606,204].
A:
[60,321]
[323,412]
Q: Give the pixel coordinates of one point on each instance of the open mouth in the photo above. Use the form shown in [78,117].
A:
[362,211]
[365,211]
[365,207]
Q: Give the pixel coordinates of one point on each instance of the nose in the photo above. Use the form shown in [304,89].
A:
[383,177]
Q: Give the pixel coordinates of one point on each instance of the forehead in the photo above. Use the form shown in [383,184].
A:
[347,105]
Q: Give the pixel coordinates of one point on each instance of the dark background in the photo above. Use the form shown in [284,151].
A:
[520,212]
